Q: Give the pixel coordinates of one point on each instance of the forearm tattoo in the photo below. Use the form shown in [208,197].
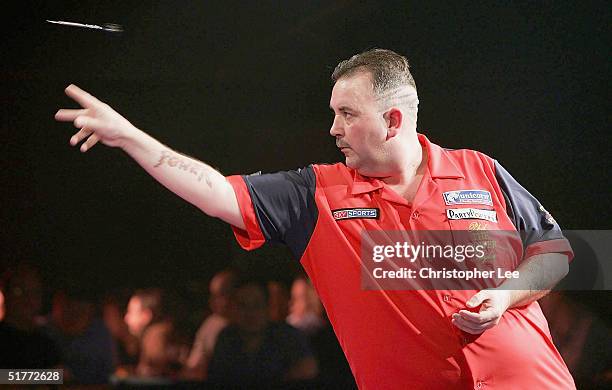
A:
[174,160]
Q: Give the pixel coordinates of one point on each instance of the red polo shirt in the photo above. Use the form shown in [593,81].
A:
[397,339]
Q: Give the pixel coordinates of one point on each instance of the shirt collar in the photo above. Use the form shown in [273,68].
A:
[363,184]
[440,166]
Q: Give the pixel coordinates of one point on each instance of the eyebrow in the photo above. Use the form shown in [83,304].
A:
[342,108]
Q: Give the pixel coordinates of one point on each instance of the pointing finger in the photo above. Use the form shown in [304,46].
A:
[83,98]
[68,115]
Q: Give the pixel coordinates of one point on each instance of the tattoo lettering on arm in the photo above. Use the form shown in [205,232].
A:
[175,160]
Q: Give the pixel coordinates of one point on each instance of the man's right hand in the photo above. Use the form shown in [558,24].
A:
[191,179]
[96,121]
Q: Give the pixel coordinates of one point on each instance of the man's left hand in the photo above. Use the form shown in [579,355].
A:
[493,304]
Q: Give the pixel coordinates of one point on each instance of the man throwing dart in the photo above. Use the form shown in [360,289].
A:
[392,179]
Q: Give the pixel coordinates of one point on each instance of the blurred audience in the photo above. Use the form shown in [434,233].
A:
[256,335]
[163,349]
[253,351]
[22,343]
[583,339]
[221,287]
[85,343]
[305,309]
[1,305]
[279,301]
[126,344]
[306,314]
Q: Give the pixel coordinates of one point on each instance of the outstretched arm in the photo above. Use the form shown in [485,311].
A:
[187,177]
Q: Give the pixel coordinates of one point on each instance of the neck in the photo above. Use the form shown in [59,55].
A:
[411,167]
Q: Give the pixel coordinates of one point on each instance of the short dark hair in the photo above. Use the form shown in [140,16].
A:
[244,281]
[389,70]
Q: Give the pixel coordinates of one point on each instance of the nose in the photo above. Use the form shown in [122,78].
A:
[336,127]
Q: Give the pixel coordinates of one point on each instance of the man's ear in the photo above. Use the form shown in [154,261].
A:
[393,119]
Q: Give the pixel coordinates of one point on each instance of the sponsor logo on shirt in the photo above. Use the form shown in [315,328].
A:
[474,226]
[546,215]
[468,197]
[353,213]
[470,213]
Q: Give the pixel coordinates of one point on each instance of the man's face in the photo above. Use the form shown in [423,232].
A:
[251,309]
[299,298]
[219,294]
[359,128]
[136,316]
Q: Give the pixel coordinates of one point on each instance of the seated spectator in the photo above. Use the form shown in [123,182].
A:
[279,301]
[252,351]
[126,344]
[85,343]
[162,349]
[305,309]
[221,287]
[306,314]
[22,343]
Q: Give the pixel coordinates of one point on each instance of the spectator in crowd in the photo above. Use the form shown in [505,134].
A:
[305,309]
[306,314]
[278,306]
[126,344]
[253,351]
[22,343]
[221,287]
[583,339]
[163,350]
[85,343]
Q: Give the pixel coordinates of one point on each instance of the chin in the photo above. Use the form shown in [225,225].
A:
[351,163]
[362,169]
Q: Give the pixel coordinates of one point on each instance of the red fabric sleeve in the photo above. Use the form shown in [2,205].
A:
[252,237]
[550,246]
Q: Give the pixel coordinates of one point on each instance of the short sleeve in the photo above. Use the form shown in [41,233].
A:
[278,207]
[539,230]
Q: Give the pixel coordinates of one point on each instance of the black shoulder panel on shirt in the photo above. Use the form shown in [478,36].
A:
[529,217]
[285,206]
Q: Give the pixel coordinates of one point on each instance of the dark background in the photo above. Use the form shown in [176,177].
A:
[244,86]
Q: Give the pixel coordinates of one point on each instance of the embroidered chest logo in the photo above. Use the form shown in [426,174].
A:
[469,213]
[468,197]
[352,213]
[474,226]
